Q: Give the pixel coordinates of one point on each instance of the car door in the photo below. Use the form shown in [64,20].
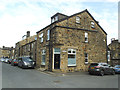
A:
[106,68]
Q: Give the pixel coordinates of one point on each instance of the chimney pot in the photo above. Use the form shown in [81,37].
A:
[28,33]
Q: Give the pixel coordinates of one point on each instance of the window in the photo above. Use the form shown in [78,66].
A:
[43,57]
[29,47]
[41,37]
[48,35]
[77,19]
[53,20]
[56,18]
[86,37]
[86,58]
[32,45]
[92,24]
[71,57]
[56,50]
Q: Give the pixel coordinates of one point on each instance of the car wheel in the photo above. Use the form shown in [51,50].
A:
[90,73]
[113,72]
[22,67]
[101,73]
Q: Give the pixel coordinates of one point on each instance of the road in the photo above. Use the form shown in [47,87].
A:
[15,77]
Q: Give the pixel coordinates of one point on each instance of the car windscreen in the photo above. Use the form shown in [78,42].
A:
[117,66]
[94,64]
[27,59]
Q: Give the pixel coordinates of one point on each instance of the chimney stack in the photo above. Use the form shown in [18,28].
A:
[3,46]
[28,34]
[113,39]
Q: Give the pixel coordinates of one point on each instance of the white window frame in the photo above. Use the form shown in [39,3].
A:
[92,24]
[77,19]
[86,58]
[48,34]
[28,47]
[41,37]
[86,37]
[53,20]
[56,18]
[72,52]
[32,45]
[43,54]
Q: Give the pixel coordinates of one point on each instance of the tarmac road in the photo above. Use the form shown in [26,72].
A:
[15,77]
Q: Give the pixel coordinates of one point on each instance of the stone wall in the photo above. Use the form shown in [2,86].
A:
[68,34]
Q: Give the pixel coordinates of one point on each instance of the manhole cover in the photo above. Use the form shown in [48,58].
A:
[57,81]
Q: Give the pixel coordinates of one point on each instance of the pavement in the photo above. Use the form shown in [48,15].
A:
[65,74]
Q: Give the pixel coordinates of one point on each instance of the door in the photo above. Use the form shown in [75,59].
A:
[56,61]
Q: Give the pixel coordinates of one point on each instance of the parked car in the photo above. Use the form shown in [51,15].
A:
[9,61]
[26,62]
[101,69]
[14,62]
[2,59]
[117,68]
[6,60]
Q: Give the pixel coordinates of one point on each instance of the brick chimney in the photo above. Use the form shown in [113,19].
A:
[28,33]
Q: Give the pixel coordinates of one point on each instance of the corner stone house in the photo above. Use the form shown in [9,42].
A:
[71,43]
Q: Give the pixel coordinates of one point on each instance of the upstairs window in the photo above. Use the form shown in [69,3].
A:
[29,47]
[56,18]
[92,24]
[48,35]
[41,37]
[53,20]
[77,19]
[32,45]
[86,58]
[86,37]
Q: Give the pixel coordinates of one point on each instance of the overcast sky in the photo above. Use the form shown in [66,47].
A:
[19,16]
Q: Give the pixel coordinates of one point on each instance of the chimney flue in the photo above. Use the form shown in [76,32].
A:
[28,33]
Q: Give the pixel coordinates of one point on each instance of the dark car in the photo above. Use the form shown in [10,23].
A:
[26,62]
[101,69]
[14,62]
[117,68]
[9,61]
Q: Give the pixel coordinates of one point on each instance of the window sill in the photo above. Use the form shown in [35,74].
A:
[71,65]
[85,42]
[93,27]
[78,23]
[86,63]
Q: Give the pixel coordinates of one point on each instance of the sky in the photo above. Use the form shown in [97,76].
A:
[19,16]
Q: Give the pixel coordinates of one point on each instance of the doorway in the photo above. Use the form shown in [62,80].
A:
[56,58]
[56,61]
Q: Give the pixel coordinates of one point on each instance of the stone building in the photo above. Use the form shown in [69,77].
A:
[71,43]
[0,52]
[114,47]
[5,52]
[12,53]
[26,47]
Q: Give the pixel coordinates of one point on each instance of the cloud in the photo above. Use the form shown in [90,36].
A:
[19,16]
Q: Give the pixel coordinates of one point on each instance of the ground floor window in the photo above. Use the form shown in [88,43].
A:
[43,57]
[86,58]
[71,57]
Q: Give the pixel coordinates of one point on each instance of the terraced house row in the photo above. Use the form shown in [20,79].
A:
[68,44]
